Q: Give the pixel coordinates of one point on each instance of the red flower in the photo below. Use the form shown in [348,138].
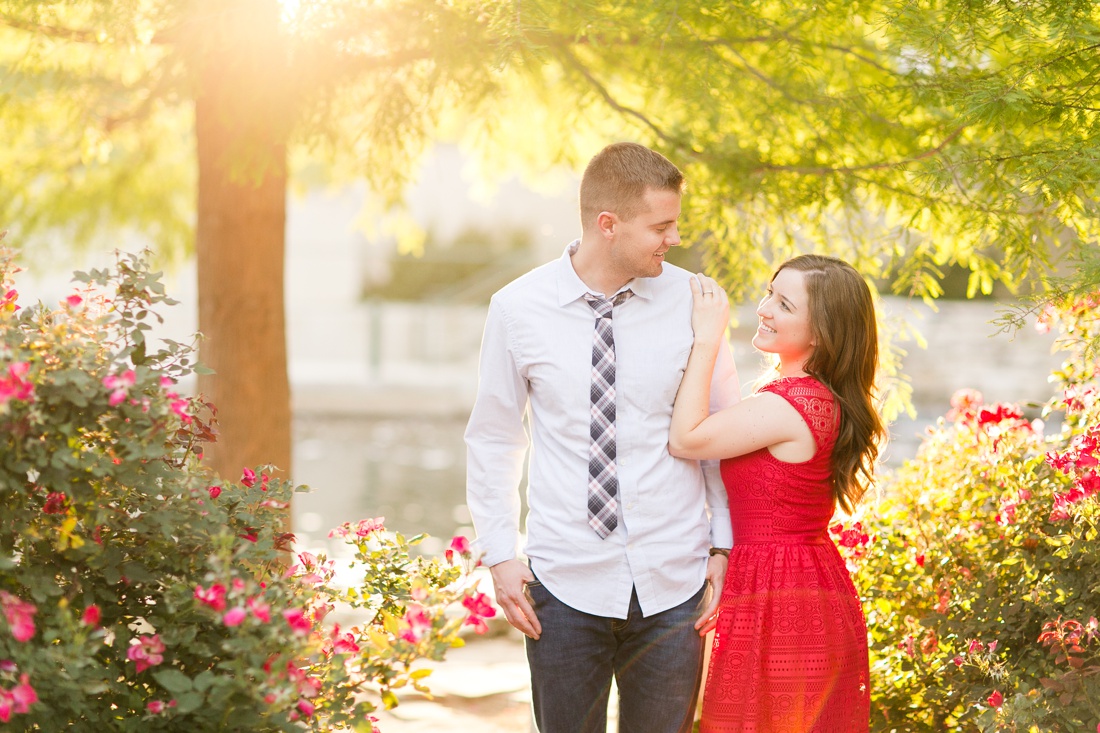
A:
[19,615]
[419,622]
[7,301]
[145,652]
[215,492]
[943,598]
[214,597]
[179,406]
[459,544]
[23,695]
[999,413]
[366,527]
[342,643]
[13,386]
[297,620]
[259,609]
[119,386]
[234,616]
[56,503]
[479,607]
[91,616]
[996,699]
[964,404]
[17,700]
[248,477]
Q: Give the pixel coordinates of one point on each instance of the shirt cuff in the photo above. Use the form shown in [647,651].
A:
[495,548]
[721,533]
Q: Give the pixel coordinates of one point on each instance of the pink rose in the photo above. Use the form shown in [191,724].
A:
[459,545]
[297,620]
[145,652]
[234,616]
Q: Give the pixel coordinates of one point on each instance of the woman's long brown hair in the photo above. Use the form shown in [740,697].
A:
[845,359]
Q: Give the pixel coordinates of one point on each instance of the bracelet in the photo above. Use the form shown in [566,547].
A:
[724,551]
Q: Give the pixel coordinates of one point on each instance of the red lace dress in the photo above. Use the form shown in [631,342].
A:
[790,648]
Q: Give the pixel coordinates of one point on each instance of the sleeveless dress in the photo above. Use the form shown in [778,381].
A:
[790,647]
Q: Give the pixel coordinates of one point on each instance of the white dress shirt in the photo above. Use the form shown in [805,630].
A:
[536,360]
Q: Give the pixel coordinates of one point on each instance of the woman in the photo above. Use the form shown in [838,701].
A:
[790,644]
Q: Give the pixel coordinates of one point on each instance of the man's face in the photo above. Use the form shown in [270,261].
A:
[640,244]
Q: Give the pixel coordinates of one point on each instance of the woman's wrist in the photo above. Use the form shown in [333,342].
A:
[702,343]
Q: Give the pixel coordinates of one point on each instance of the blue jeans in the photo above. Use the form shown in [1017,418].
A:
[657,663]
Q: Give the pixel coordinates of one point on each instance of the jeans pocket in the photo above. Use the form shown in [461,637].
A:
[535,593]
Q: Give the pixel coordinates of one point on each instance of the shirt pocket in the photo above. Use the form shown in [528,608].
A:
[649,380]
[558,369]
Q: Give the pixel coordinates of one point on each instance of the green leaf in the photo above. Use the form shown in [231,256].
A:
[174,681]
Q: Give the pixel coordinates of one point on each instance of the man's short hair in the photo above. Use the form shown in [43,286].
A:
[617,178]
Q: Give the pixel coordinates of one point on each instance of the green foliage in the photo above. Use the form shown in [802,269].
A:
[140,593]
[909,138]
[980,584]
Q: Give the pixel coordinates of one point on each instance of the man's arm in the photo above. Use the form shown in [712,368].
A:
[725,390]
[496,444]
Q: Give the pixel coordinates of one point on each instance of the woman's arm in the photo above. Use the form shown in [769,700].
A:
[759,421]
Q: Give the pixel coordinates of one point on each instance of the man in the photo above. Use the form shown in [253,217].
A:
[591,349]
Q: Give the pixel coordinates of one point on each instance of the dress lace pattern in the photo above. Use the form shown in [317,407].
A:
[790,648]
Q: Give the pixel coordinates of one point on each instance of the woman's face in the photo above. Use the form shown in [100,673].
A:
[784,314]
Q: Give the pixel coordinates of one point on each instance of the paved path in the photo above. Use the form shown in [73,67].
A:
[482,687]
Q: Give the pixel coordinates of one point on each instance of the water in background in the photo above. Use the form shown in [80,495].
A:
[410,470]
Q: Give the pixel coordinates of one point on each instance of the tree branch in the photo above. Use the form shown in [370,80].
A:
[611,102]
[77,35]
[826,170]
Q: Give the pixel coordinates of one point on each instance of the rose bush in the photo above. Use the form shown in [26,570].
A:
[979,573]
[140,592]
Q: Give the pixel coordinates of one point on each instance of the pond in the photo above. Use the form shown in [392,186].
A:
[410,470]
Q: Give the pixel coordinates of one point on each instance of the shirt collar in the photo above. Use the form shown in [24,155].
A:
[571,287]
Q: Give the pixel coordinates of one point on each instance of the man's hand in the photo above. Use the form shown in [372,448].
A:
[716,576]
[510,579]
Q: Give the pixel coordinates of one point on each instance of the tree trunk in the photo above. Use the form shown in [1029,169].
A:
[241,127]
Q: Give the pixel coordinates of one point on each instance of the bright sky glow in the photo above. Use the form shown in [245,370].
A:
[291,9]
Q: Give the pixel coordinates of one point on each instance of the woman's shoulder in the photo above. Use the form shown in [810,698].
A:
[802,386]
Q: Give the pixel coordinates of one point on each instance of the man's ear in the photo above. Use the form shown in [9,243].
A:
[606,223]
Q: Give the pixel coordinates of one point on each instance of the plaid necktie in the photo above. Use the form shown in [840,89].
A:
[603,481]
